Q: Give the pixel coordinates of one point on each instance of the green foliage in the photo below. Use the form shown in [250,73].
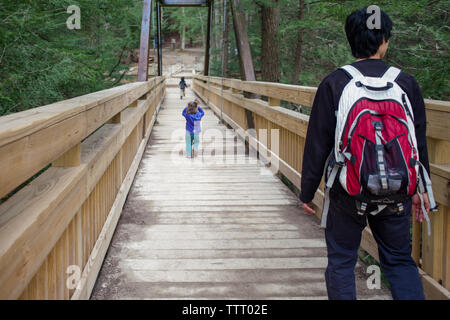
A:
[42,61]
[191,18]
[419,45]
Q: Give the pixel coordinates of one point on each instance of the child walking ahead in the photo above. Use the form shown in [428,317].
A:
[193,114]
[183,86]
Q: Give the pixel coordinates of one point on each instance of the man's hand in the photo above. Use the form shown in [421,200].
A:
[308,208]
[417,208]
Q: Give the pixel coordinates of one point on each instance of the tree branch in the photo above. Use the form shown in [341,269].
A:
[118,62]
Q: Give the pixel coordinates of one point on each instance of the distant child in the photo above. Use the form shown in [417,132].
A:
[193,114]
[183,85]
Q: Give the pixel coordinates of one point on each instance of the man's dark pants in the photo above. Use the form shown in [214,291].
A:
[392,233]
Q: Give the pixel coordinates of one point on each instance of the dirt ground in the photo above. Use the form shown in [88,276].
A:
[188,59]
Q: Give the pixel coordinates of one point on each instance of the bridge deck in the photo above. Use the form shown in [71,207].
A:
[208,228]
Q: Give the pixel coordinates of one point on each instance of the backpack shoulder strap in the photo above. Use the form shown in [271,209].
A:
[352,72]
[391,74]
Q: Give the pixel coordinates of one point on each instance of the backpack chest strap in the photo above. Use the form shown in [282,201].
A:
[390,75]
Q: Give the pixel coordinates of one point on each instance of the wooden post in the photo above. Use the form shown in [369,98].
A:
[208,38]
[145,41]
[158,26]
[245,55]
[70,158]
[274,102]
[433,246]
[116,119]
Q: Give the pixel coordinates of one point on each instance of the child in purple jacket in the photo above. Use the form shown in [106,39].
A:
[193,114]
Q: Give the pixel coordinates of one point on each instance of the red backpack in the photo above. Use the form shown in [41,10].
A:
[375,156]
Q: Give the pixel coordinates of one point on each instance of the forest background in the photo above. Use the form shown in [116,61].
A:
[292,41]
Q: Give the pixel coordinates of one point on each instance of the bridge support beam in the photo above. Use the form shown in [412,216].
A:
[158,27]
[245,55]
[145,40]
[208,37]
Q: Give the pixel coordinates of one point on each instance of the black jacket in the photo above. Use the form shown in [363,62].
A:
[322,123]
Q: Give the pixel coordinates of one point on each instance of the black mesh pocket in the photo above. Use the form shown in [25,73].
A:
[395,168]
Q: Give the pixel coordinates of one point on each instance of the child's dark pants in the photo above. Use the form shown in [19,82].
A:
[392,233]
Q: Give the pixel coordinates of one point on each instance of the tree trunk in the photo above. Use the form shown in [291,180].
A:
[203,30]
[217,21]
[183,32]
[299,47]
[270,45]
[225,40]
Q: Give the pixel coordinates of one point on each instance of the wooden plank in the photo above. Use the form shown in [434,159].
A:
[438,150]
[416,239]
[437,105]
[41,277]
[52,283]
[446,257]
[441,188]
[438,124]
[433,290]
[296,94]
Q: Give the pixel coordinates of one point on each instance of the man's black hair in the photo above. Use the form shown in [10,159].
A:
[363,41]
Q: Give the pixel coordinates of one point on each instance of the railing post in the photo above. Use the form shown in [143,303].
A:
[273,102]
[433,255]
[70,158]
[116,119]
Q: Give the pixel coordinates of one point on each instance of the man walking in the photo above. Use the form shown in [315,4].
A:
[347,217]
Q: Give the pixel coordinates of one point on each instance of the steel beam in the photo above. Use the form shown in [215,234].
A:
[145,41]
[208,38]
[158,27]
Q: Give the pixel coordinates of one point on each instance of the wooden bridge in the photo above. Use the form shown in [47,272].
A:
[221,225]
[98,200]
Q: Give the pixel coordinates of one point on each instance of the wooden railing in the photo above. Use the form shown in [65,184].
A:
[432,254]
[54,232]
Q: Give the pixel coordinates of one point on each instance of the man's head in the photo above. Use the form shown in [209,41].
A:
[366,42]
